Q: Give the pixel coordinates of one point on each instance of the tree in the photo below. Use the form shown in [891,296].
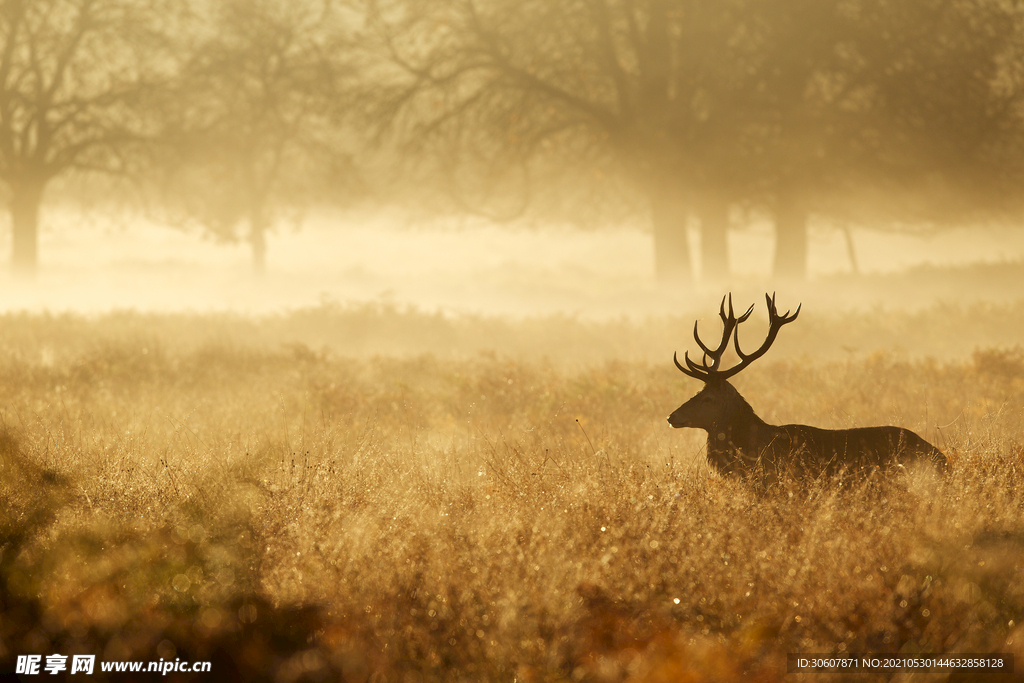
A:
[886,112]
[801,115]
[253,135]
[948,107]
[568,91]
[72,73]
[802,107]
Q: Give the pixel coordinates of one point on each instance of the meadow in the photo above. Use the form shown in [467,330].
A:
[376,494]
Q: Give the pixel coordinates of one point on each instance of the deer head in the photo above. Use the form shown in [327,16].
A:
[718,403]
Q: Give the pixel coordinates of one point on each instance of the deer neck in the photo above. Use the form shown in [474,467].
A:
[743,431]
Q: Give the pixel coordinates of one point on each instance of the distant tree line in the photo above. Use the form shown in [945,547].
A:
[234,113]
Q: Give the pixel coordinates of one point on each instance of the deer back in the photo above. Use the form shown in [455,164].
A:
[772,452]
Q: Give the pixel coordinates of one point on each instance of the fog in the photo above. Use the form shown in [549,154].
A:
[512,160]
[95,263]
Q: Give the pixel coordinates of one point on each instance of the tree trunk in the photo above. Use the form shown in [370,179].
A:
[671,242]
[790,239]
[25,201]
[851,251]
[258,240]
[714,233]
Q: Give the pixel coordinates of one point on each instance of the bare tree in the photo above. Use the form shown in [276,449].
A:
[253,135]
[800,107]
[72,74]
[891,113]
[575,91]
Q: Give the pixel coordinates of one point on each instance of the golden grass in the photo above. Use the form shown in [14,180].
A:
[223,489]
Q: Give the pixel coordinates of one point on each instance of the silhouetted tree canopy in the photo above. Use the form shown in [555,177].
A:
[563,97]
[252,136]
[73,76]
[894,114]
[891,112]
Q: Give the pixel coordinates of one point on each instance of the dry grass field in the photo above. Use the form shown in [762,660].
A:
[371,495]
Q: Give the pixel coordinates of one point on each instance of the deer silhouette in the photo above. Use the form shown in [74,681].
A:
[741,443]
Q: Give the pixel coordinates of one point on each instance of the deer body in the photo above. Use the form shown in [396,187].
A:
[739,442]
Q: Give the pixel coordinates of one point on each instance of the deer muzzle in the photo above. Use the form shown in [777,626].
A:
[679,419]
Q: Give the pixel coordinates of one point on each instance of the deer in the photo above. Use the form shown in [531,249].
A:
[742,444]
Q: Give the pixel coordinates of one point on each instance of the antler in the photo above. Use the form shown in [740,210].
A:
[730,324]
